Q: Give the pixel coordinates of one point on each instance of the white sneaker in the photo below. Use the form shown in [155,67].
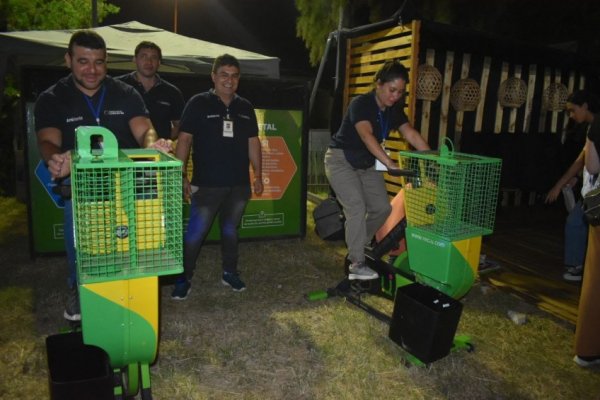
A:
[361,271]
[590,362]
[574,274]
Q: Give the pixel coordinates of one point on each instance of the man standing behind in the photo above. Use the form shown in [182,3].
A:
[221,126]
[163,99]
[87,96]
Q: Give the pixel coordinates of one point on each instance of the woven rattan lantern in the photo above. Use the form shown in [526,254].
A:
[554,97]
[512,92]
[465,95]
[429,82]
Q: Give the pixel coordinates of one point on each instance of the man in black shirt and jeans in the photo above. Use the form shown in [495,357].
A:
[222,130]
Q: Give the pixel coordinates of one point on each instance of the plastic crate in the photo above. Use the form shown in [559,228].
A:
[454,195]
[127,209]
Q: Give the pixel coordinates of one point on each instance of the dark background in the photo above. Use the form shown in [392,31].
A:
[267,27]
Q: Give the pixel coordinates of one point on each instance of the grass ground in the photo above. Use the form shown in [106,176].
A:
[270,343]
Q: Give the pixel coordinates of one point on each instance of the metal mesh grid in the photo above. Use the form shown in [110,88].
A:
[454,195]
[127,218]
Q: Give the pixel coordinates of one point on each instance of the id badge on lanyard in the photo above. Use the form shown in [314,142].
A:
[379,166]
[227,127]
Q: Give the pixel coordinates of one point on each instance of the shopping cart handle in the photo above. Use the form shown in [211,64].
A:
[401,172]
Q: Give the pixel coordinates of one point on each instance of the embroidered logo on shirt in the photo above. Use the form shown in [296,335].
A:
[244,116]
[114,112]
[213,116]
[74,119]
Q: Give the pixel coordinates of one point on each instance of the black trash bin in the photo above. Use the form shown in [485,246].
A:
[424,321]
[76,370]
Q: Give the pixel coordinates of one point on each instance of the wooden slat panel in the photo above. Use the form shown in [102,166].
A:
[346,77]
[394,145]
[554,122]
[512,119]
[394,180]
[396,30]
[354,91]
[542,120]
[446,87]
[571,89]
[529,101]
[485,77]
[411,101]
[426,107]
[401,54]
[366,80]
[464,73]
[383,45]
[392,187]
[499,108]
[397,145]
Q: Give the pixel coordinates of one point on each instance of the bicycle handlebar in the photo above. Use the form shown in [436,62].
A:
[401,172]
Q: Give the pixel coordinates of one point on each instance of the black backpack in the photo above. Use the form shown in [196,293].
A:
[329,220]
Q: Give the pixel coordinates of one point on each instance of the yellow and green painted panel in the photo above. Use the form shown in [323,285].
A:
[121,317]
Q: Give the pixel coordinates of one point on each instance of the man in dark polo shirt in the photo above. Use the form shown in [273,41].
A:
[87,96]
[163,99]
[221,128]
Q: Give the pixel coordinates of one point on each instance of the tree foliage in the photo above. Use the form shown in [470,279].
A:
[318,18]
[52,14]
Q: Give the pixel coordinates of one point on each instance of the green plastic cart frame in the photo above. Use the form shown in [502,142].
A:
[450,204]
[127,216]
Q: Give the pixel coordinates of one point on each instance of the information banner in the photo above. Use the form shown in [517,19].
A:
[45,207]
[280,210]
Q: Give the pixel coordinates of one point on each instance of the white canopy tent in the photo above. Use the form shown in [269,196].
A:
[180,53]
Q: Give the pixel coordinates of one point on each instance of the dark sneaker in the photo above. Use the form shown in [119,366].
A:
[181,290]
[233,279]
[72,308]
[360,271]
[574,274]
[587,362]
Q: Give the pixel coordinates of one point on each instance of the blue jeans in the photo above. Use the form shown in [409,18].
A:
[69,233]
[229,203]
[576,230]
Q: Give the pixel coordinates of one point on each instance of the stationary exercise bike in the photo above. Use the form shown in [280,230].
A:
[432,241]
[128,232]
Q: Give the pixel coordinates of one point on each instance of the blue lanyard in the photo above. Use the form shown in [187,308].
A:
[96,110]
[383,124]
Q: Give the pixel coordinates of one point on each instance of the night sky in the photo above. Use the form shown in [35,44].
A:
[263,26]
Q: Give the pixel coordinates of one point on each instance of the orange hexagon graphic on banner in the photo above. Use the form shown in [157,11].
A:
[278,168]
